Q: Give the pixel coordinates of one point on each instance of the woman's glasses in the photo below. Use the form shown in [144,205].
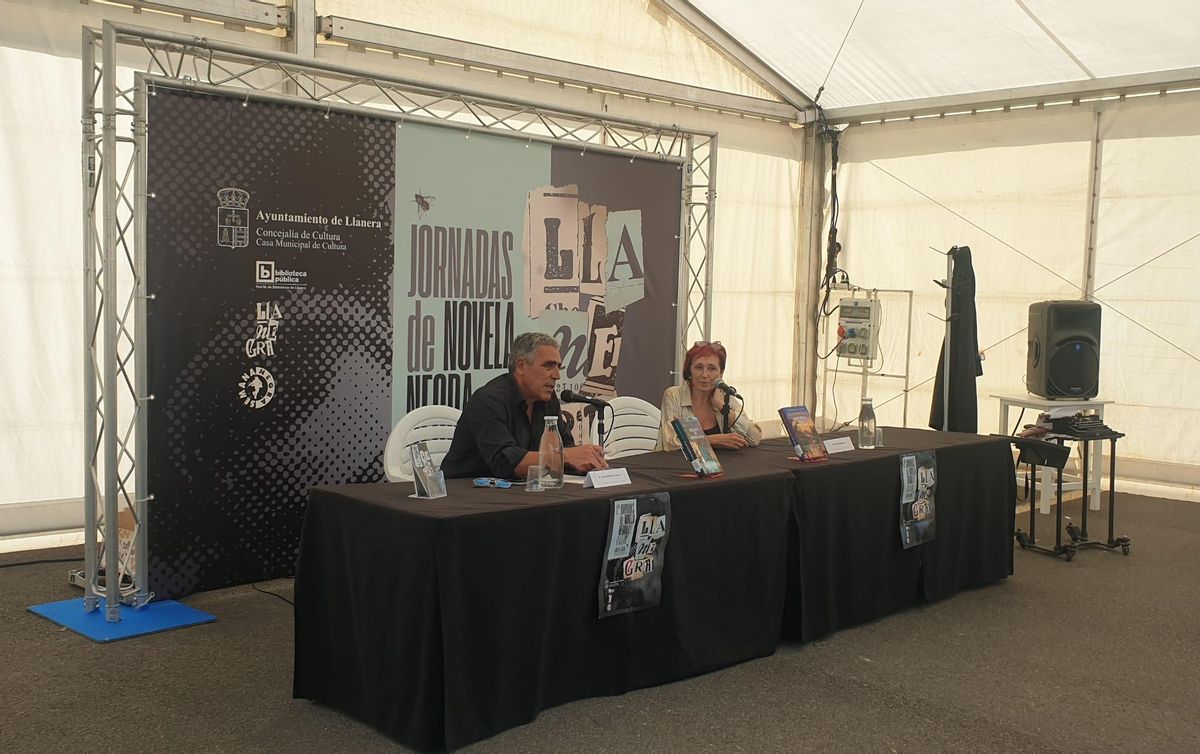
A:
[715,345]
[487,481]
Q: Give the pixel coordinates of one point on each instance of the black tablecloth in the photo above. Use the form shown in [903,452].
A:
[442,622]
[446,621]
[847,563]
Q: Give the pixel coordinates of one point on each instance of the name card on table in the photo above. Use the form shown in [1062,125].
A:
[838,445]
[606,478]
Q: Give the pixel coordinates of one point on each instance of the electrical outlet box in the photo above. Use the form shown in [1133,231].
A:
[858,328]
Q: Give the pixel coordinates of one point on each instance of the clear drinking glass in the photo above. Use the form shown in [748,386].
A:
[533,479]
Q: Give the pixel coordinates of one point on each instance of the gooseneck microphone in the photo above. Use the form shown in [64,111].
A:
[569,396]
[729,389]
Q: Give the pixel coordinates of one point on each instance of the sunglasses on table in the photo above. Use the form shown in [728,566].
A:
[488,481]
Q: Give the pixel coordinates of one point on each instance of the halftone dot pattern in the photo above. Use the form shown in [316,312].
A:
[230,482]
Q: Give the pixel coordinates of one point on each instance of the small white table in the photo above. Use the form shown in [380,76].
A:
[1096,449]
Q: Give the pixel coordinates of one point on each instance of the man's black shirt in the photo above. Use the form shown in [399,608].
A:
[493,433]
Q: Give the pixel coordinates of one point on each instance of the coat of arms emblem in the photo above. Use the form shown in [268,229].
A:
[233,219]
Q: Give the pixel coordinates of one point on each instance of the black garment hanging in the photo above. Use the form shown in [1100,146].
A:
[965,362]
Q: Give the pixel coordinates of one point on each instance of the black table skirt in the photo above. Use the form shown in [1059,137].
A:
[444,622]
[847,564]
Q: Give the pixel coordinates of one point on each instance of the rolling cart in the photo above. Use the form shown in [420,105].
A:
[1052,451]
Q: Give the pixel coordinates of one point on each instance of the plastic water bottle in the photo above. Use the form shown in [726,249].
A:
[550,455]
[866,425]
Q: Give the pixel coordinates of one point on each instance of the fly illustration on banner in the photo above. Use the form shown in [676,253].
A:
[424,203]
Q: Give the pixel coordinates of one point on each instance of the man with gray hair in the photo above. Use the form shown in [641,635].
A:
[500,429]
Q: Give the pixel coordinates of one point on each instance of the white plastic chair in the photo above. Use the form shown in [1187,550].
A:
[634,427]
[433,425]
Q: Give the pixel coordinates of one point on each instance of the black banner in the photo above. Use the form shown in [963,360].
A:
[269,345]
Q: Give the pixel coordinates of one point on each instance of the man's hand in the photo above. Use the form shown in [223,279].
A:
[731,441]
[585,457]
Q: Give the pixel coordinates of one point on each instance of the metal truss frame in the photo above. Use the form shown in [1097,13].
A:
[116,196]
[1036,97]
[361,36]
[114,321]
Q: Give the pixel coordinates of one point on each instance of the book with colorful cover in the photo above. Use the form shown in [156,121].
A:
[695,446]
[803,433]
[685,445]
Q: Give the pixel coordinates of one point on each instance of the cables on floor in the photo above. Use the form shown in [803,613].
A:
[273,594]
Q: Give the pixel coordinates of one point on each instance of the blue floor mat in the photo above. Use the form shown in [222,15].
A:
[151,619]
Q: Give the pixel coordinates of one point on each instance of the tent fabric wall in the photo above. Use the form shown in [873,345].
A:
[630,36]
[55,27]
[1014,188]
[1015,193]
[1147,268]
[41,265]
[41,279]
[754,273]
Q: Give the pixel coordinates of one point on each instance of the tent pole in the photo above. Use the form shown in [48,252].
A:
[109,368]
[946,343]
[1093,190]
[91,477]
[808,268]
[141,483]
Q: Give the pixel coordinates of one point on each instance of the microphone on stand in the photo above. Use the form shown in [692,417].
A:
[569,396]
[729,389]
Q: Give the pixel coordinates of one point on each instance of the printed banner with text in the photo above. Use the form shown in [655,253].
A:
[269,341]
[918,484]
[498,236]
[634,553]
[316,275]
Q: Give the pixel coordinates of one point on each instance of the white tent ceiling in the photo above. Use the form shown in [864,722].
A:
[912,49]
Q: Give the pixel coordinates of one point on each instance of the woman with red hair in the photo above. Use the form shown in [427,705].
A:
[703,367]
